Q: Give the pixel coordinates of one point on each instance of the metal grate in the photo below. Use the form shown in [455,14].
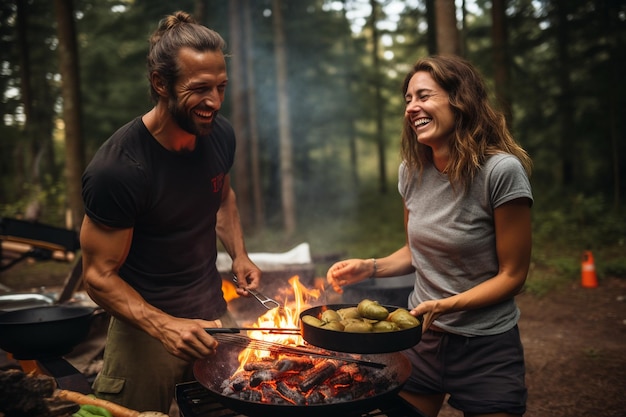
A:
[196,401]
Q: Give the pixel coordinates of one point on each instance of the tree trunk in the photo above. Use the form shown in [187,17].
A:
[350,120]
[241,181]
[199,11]
[36,149]
[257,187]
[23,156]
[380,105]
[284,125]
[565,100]
[501,59]
[463,31]
[611,24]
[431,34]
[447,33]
[70,91]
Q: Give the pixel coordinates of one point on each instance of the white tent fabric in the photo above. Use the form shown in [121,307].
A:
[299,255]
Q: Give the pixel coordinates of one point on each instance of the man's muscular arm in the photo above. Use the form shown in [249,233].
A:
[104,250]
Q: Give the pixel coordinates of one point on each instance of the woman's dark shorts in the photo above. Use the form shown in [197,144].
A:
[482,374]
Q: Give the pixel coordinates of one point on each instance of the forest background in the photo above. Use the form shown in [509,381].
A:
[315,99]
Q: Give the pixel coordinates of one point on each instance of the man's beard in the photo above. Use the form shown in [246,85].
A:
[186,122]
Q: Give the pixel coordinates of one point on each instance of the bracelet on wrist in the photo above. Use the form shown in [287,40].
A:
[375,269]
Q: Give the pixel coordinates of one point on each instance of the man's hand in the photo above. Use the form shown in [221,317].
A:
[248,275]
[187,339]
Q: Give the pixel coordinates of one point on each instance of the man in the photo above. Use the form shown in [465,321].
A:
[157,196]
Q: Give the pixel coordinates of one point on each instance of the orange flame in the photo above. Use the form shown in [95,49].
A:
[294,299]
[229,290]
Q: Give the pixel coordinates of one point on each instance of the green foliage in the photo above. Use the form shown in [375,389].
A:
[549,273]
[616,267]
[586,222]
[563,228]
[51,196]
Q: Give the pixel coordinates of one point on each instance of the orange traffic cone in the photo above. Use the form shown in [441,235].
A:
[589,277]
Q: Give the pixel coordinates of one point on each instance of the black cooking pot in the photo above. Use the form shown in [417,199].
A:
[213,371]
[44,332]
[338,341]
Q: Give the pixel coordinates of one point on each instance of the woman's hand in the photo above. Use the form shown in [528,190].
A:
[429,310]
[349,271]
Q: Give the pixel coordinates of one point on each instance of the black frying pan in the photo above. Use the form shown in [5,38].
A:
[44,332]
[213,371]
[357,342]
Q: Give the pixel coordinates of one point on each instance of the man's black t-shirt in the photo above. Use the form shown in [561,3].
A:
[171,200]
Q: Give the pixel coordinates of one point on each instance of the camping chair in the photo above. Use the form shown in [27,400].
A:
[22,239]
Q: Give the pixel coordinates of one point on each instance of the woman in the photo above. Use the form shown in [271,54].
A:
[467,199]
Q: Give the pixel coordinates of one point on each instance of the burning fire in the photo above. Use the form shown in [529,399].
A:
[230,290]
[279,377]
[294,299]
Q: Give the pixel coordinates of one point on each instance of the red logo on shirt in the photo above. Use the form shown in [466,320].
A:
[217,182]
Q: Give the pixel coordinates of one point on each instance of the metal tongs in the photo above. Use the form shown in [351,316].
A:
[267,302]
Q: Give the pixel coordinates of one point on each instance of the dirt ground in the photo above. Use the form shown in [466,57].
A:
[575,346]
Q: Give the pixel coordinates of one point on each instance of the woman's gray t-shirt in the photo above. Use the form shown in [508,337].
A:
[452,238]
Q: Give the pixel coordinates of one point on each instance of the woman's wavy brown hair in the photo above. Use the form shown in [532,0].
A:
[480,130]
[176,31]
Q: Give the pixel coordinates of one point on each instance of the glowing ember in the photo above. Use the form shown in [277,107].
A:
[294,299]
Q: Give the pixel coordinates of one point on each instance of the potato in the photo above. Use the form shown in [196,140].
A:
[333,325]
[349,313]
[312,321]
[403,319]
[372,310]
[356,326]
[347,321]
[330,315]
[384,326]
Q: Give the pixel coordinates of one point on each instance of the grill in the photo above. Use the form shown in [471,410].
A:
[196,401]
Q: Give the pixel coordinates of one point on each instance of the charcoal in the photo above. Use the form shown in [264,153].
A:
[340,379]
[325,390]
[374,374]
[294,364]
[361,389]
[318,374]
[292,379]
[316,397]
[259,365]
[251,395]
[349,368]
[263,375]
[237,382]
[270,395]
[292,395]
[342,396]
